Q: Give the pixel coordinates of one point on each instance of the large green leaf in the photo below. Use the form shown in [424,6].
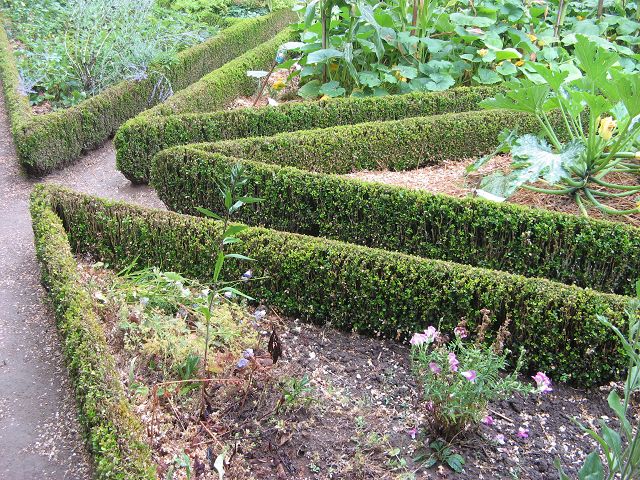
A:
[594,61]
[321,56]
[592,468]
[528,98]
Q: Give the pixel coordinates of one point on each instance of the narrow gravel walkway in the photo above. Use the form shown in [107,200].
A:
[39,432]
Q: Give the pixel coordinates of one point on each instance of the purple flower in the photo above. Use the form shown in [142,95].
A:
[488,420]
[228,295]
[259,314]
[470,375]
[243,362]
[523,432]
[453,362]
[460,332]
[435,368]
[248,353]
[418,339]
[246,276]
[543,383]
[499,438]
[413,432]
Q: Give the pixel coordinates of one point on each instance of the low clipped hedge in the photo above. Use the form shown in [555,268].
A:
[142,137]
[532,242]
[115,436]
[219,87]
[47,142]
[396,144]
[359,288]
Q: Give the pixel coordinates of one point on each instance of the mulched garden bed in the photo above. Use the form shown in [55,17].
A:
[359,416]
[450,178]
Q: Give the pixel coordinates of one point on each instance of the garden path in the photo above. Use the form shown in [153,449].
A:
[39,431]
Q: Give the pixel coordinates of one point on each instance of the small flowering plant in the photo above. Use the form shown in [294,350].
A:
[589,117]
[459,378]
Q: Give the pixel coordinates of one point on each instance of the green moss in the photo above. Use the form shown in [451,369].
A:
[363,289]
[114,435]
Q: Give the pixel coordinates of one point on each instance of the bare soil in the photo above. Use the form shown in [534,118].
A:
[361,416]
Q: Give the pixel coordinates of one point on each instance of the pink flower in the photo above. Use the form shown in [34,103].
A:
[470,375]
[499,438]
[418,339]
[460,332]
[435,368]
[543,383]
[413,432]
[488,420]
[431,334]
[476,30]
[453,362]
[523,432]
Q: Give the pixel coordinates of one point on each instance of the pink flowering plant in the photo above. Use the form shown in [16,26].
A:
[459,377]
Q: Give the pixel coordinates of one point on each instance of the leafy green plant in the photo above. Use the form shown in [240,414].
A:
[68,51]
[296,393]
[233,200]
[458,378]
[621,447]
[440,451]
[600,107]
[365,47]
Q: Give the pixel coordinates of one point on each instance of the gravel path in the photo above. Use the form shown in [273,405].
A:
[39,432]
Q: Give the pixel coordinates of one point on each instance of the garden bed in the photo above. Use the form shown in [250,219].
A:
[357,411]
[451,178]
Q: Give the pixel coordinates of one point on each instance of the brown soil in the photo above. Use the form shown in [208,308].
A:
[450,178]
[363,406]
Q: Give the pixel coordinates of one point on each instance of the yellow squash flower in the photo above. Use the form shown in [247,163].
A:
[607,126]
[532,37]
[482,52]
[580,18]
[519,63]
[278,85]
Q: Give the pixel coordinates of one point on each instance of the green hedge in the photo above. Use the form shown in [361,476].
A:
[47,142]
[396,144]
[532,242]
[114,434]
[221,86]
[359,288]
[142,137]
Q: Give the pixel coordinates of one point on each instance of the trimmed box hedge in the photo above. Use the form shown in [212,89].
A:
[359,288]
[532,242]
[142,137]
[220,86]
[50,141]
[115,436]
[395,144]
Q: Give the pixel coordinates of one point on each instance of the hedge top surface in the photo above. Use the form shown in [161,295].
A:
[141,137]
[360,288]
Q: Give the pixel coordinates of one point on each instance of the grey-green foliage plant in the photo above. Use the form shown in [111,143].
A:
[599,106]
[233,200]
[621,447]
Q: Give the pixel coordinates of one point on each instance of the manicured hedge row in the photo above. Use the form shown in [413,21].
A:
[532,242]
[114,434]
[47,142]
[142,137]
[17,105]
[396,145]
[219,87]
[360,288]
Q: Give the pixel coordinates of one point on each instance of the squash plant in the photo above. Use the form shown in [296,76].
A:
[368,47]
[599,107]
